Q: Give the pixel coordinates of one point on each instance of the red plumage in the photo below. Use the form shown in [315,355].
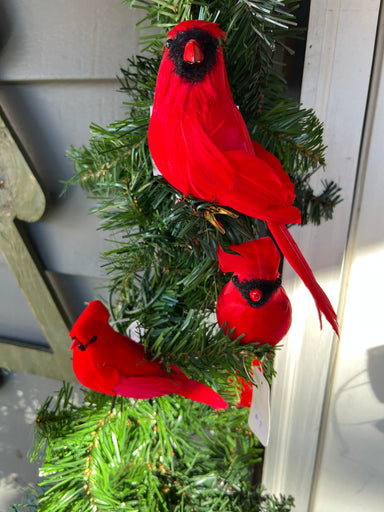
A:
[201,145]
[254,303]
[245,387]
[106,361]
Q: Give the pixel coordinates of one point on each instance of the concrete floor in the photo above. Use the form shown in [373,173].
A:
[20,396]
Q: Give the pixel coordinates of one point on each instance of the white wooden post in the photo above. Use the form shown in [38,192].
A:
[349,471]
[340,46]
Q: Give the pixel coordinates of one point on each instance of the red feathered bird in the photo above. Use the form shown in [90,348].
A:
[106,361]
[254,303]
[201,145]
[245,387]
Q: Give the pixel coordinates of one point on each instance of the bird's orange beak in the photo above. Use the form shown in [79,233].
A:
[77,344]
[193,54]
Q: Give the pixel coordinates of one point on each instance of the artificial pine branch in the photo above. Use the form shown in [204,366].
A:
[256,30]
[168,453]
[147,456]
[163,268]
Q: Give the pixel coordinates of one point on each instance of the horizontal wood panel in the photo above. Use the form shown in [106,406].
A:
[58,67]
[47,120]
[66,39]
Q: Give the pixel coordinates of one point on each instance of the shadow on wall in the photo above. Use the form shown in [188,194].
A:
[358,419]
[375,365]
[5,25]
[20,396]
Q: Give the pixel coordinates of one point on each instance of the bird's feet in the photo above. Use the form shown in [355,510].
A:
[211,213]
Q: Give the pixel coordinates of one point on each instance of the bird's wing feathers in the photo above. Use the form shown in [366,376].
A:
[146,387]
[99,378]
[203,155]
[255,185]
[199,392]
[150,387]
[186,156]
[270,159]
[260,190]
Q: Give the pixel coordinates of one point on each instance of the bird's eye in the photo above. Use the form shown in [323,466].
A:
[168,43]
[93,339]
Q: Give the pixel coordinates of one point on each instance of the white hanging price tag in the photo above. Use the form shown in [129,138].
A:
[259,413]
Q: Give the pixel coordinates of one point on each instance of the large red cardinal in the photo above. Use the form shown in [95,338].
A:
[106,361]
[201,145]
[254,303]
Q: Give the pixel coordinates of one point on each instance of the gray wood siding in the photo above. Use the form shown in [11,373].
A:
[58,67]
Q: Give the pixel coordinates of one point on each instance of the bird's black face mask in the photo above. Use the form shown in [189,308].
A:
[266,288]
[193,72]
[76,343]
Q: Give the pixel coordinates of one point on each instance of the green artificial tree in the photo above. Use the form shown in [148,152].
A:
[164,271]
[148,456]
[169,453]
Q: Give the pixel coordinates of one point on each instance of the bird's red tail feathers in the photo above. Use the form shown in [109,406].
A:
[297,261]
[199,392]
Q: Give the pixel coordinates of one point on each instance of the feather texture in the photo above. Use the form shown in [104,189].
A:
[106,361]
[201,145]
[254,303]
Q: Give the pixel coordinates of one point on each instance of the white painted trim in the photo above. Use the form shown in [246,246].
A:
[339,474]
[340,46]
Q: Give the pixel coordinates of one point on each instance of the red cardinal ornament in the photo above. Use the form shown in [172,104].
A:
[245,387]
[245,392]
[201,145]
[254,303]
[106,361]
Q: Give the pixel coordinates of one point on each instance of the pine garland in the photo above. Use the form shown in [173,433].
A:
[164,268]
[168,453]
[147,456]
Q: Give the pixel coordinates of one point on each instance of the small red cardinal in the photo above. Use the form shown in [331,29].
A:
[245,387]
[201,145]
[106,361]
[254,303]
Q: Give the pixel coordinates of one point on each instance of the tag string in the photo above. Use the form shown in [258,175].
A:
[249,375]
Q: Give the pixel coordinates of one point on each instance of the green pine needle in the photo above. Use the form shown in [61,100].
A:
[170,453]
[148,455]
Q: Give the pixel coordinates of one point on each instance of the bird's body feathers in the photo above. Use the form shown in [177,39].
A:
[106,361]
[201,145]
[253,303]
